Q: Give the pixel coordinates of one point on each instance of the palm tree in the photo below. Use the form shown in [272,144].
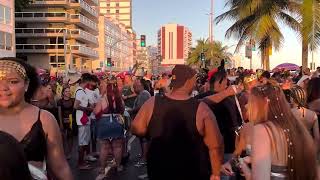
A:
[214,52]
[310,28]
[258,20]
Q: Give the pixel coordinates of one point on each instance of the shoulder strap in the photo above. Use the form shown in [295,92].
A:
[39,113]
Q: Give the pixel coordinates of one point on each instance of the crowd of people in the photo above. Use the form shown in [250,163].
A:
[191,124]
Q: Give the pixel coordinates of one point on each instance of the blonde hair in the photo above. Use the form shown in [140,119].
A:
[300,146]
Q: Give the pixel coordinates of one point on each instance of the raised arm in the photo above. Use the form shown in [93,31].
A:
[230,91]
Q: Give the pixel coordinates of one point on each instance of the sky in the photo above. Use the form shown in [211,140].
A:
[150,15]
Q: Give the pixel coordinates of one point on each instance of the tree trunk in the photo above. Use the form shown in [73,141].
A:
[305,53]
[265,58]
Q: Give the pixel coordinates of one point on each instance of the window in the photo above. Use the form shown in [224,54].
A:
[54,40]
[60,59]
[7,14]
[2,40]
[5,41]
[117,11]
[8,41]
[56,59]
[52,59]
[108,11]
[103,4]
[2,16]
[117,4]
[108,5]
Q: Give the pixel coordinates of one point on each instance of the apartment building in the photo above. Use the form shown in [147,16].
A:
[7,35]
[120,10]
[115,41]
[174,44]
[58,34]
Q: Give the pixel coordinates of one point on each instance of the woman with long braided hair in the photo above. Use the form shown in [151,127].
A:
[298,101]
[281,144]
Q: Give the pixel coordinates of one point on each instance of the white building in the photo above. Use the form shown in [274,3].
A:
[7,35]
[115,41]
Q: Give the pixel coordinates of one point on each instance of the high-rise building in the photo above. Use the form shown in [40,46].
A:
[120,10]
[174,44]
[58,34]
[115,41]
[7,35]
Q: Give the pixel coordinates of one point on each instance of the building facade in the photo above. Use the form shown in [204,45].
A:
[174,44]
[120,10]
[7,35]
[115,41]
[58,34]
[154,60]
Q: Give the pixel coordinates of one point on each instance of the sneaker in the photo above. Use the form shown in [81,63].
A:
[90,158]
[140,164]
[143,176]
[84,167]
[103,174]
[112,163]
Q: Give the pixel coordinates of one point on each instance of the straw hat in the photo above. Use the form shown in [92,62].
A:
[74,78]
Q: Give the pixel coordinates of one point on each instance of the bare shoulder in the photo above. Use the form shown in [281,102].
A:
[205,111]
[260,131]
[48,121]
[149,104]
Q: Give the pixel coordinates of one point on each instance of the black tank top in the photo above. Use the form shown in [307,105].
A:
[34,142]
[177,150]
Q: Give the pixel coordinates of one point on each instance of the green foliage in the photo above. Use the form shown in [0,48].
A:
[214,52]
[310,15]
[259,20]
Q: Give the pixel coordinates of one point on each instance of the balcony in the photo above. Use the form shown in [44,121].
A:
[42,17]
[45,3]
[41,32]
[85,23]
[40,48]
[84,51]
[85,8]
[84,37]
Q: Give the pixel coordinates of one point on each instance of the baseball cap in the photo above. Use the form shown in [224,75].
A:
[180,74]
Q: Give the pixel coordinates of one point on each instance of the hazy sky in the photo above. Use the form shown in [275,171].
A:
[150,15]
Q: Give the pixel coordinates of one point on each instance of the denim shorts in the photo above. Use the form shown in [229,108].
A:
[109,127]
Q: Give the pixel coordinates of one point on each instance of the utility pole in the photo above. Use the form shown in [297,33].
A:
[211,23]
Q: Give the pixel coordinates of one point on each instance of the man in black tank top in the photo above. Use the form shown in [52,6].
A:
[185,141]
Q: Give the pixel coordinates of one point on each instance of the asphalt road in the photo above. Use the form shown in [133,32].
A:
[130,171]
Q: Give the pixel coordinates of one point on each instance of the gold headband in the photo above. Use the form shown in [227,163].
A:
[250,78]
[8,66]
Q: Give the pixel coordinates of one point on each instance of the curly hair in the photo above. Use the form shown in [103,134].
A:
[32,77]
